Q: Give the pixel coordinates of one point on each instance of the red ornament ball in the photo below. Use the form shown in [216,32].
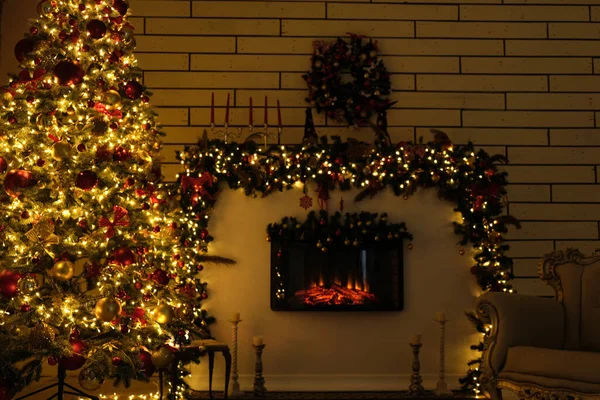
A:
[3,165]
[24,308]
[117,361]
[161,277]
[120,6]
[8,283]
[124,256]
[96,29]
[25,214]
[138,285]
[86,180]
[204,233]
[33,30]
[148,367]
[204,295]
[17,179]
[23,47]
[145,99]
[52,361]
[76,360]
[68,73]
[200,267]
[12,120]
[133,90]
[81,147]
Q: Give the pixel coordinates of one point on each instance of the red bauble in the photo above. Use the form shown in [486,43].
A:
[8,283]
[86,180]
[120,6]
[204,233]
[161,277]
[17,179]
[33,30]
[124,256]
[68,73]
[133,90]
[204,295]
[52,361]
[3,165]
[96,29]
[23,47]
[117,361]
[121,154]
[77,360]
[148,367]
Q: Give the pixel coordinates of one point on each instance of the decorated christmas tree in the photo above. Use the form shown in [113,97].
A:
[96,275]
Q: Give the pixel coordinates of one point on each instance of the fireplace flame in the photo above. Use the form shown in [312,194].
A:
[336,295]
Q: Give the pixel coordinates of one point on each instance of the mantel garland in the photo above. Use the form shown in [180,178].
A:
[353,101]
[467,178]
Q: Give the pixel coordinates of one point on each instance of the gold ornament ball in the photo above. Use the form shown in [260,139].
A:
[44,7]
[324,249]
[7,99]
[61,151]
[45,121]
[363,56]
[324,87]
[27,285]
[162,357]
[372,53]
[107,309]
[347,242]
[127,34]
[41,337]
[390,236]
[461,252]
[164,313]
[318,64]
[268,239]
[319,244]
[336,64]
[112,99]
[71,110]
[185,312]
[355,243]
[410,246]
[89,380]
[62,270]
[377,93]
[366,75]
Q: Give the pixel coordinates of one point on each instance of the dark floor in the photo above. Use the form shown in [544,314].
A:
[337,395]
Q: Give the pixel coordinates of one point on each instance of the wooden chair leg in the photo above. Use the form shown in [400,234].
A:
[211,365]
[227,357]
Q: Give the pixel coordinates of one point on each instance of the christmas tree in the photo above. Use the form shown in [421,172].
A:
[96,273]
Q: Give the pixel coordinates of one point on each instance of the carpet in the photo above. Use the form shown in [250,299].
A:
[339,395]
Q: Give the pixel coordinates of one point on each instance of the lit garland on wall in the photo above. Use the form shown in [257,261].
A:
[468,179]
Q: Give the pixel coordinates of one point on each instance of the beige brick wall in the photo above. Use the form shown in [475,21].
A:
[513,76]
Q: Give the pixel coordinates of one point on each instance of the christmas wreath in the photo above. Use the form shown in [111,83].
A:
[352,101]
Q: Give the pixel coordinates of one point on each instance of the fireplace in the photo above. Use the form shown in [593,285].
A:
[342,278]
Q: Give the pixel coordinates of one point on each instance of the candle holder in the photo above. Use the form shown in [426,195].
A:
[225,133]
[416,388]
[442,387]
[234,388]
[260,392]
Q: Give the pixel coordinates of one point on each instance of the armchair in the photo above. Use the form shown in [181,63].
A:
[543,348]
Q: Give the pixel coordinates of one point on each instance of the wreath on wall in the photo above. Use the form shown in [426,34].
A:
[355,101]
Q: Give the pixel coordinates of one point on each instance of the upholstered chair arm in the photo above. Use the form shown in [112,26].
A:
[518,320]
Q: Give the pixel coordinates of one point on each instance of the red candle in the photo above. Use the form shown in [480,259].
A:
[250,121]
[227,111]
[212,109]
[278,114]
[266,112]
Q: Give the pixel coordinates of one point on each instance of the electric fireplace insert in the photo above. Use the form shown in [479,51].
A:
[342,278]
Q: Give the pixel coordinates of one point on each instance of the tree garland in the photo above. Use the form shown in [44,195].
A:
[353,101]
[468,179]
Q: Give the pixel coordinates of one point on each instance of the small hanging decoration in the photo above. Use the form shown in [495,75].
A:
[121,218]
[306,202]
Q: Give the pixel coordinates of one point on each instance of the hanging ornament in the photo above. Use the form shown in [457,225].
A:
[164,313]
[161,277]
[63,269]
[124,256]
[68,73]
[112,99]
[86,180]
[461,251]
[41,336]
[120,218]
[44,7]
[185,312]
[96,29]
[45,121]
[306,202]
[9,283]
[410,246]
[121,6]
[3,165]
[61,151]
[162,357]
[107,309]
[42,235]
[27,284]
[89,380]
[133,90]
[77,360]
[148,367]
[127,35]
[17,179]
[23,47]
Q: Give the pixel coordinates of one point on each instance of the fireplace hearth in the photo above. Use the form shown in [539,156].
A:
[342,278]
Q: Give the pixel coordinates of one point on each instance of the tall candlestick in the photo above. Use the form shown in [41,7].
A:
[250,120]
[416,388]
[234,389]
[227,111]
[259,389]
[416,339]
[257,340]
[212,108]
[266,112]
[278,114]
[442,386]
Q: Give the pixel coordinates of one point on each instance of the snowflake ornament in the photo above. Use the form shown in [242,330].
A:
[306,202]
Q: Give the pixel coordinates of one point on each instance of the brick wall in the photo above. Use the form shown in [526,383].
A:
[518,78]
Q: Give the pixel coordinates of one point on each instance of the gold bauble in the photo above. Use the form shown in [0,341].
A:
[70,110]
[27,285]
[185,312]
[411,246]
[164,313]
[372,53]
[41,337]
[112,99]
[162,357]
[61,151]
[89,380]
[44,7]
[45,121]
[7,99]
[98,125]
[461,252]
[127,35]
[107,309]
[377,93]
[62,270]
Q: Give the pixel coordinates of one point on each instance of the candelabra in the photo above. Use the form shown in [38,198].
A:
[442,387]
[416,388]
[234,389]
[226,134]
[260,392]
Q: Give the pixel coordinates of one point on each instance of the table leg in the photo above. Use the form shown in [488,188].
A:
[211,365]
[227,357]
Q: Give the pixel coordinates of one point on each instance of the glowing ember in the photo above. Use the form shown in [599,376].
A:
[334,295]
